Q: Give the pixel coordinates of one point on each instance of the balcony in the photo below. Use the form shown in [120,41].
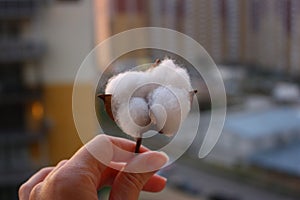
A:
[20,50]
[18,9]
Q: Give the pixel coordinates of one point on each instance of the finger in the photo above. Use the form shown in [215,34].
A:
[91,160]
[57,167]
[155,184]
[97,154]
[123,149]
[94,156]
[36,191]
[131,179]
[110,173]
[126,144]
[26,188]
[107,148]
[61,163]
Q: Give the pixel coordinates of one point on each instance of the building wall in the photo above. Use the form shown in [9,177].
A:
[295,38]
[68,30]
[252,32]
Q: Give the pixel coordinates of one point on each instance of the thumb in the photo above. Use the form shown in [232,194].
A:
[129,183]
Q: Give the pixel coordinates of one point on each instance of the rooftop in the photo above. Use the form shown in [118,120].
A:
[254,124]
[284,159]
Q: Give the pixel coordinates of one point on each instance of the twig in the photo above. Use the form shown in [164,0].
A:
[138,145]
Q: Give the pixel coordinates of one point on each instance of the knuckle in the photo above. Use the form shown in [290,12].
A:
[35,192]
[68,177]
[62,162]
[45,169]
[58,178]
[134,181]
[23,189]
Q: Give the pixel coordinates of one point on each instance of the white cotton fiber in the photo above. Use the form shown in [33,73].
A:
[176,104]
[168,73]
[158,97]
[123,85]
[135,120]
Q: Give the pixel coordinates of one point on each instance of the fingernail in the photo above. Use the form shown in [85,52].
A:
[147,162]
[164,178]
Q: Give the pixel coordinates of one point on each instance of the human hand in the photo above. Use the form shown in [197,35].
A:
[82,175]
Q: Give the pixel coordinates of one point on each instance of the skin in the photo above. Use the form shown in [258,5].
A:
[82,175]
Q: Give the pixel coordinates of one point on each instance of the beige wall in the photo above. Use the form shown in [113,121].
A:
[63,140]
[68,30]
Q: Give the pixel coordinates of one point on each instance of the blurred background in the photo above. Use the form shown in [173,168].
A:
[255,44]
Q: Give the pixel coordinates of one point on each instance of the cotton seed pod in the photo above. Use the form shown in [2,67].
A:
[158,98]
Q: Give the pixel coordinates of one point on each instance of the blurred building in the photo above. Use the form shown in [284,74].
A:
[259,34]
[42,44]
[252,132]
[281,159]
[22,122]
[67,27]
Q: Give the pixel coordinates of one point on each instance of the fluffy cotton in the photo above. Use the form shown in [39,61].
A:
[123,85]
[169,106]
[168,73]
[158,97]
[136,119]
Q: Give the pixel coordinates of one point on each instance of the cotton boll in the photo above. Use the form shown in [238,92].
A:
[139,111]
[159,96]
[113,82]
[168,73]
[184,79]
[134,118]
[144,89]
[176,103]
[158,120]
[123,86]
